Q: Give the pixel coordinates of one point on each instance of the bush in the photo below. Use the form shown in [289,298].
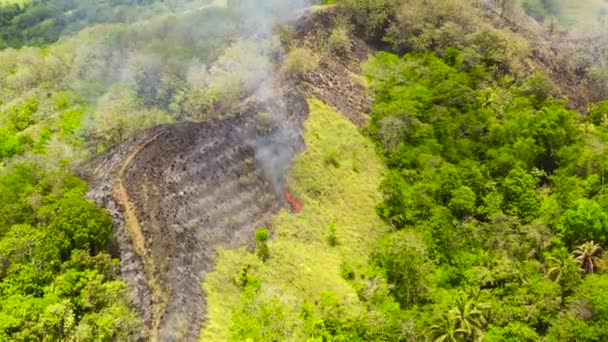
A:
[300,62]
[332,239]
[261,235]
[371,16]
[339,42]
[347,271]
[520,196]
[261,238]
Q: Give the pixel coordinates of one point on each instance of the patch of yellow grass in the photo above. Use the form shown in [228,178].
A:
[337,181]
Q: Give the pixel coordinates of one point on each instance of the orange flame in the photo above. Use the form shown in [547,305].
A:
[297,207]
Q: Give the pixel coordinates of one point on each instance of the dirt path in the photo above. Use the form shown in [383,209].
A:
[138,240]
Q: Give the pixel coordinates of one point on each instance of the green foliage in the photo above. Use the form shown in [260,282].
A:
[373,16]
[501,182]
[300,62]
[261,238]
[598,114]
[562,268]
[332,238]
[43,22]
[585,221]
[586,314]
[519,195]
[405,261]
[56,279]
[463,201]
[347,271]
[339,42]
[261,235]
[514,332]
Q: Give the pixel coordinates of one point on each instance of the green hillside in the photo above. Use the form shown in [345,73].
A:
[445,183]
[337,174]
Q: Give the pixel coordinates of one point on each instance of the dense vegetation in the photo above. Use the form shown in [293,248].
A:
[63,102]
[57,280]
[495,190]
[506,188]
[40,22]
[472,205]
[496,193]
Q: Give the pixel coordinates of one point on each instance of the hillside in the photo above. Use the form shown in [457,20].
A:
[351,170]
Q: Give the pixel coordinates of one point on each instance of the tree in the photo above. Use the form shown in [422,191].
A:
[447,331]
[519,194]
[75,223]
[404,259]
[513,332]
[372,16]
[559,264]
[563,270]
[463,201]
[468,316]
[587,221]
[588,257]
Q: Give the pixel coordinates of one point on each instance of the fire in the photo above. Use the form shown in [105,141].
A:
[297,207]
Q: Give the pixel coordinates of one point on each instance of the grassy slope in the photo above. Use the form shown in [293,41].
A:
[302,265]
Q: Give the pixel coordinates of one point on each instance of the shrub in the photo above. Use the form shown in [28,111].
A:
[347,271]
[339,42]
[333,158]
[300,62]
[598,113]
[372,16]
[261,238]
[261,235]
[332,239]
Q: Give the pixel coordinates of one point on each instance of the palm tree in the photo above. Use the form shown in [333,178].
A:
[558,264]
[587,256]
[446,330]
[468,316]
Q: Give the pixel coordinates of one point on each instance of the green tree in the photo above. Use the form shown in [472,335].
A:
[371,15]
[519,194]
[586,221]
[513,332]
[404,259]
[559,265]
[468,316]
[463,201]
[75,223]
[446,330]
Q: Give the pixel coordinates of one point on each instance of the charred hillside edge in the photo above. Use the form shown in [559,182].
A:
[176,192]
